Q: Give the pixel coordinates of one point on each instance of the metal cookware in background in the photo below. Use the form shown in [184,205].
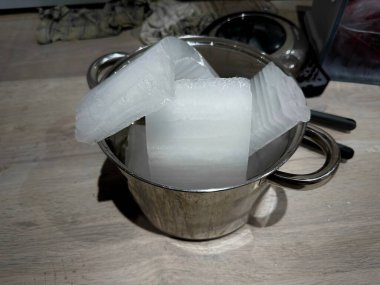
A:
[279,38]
[269,33]
[199,214]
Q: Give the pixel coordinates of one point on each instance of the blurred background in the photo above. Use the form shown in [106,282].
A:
[315,40]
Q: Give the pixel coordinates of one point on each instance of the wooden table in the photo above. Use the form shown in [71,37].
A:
[66,217]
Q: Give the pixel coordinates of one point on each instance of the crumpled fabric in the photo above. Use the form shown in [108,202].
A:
[63,24]
[176,18]
[159,18]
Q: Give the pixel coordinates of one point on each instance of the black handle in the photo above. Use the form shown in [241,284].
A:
[345,151]
[332,121]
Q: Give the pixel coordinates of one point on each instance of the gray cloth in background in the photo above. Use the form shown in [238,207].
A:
[159,18]
[62,23]
[176,18]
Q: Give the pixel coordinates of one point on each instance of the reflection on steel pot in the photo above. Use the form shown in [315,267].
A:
[198,214]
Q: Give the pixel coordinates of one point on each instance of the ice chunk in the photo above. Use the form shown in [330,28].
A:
[281,121]
[282,102]
[260,128]
[136,154]
[188,62]
[189,68]
[293,99]
[283,105]
[302,112]
[201,138]
[257,115]
[140,88]
[272,122]
[293,102]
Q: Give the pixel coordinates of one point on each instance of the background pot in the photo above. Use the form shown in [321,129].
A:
[199,214]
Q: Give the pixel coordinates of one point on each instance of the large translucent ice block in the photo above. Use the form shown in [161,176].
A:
[140,88]
[201,138]
[188,62]
[136,154]
[278,100]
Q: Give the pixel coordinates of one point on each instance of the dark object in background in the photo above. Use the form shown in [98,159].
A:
[260,31]
[64,24]
[346,35]
[270,33]
[312,79]
[346,152]
[333,121]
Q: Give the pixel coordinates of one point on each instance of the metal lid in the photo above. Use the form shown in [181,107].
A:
[271,34]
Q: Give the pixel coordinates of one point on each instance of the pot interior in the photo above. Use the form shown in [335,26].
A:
[229,59]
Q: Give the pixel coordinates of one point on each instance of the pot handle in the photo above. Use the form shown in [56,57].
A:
[322,175]
[100,64]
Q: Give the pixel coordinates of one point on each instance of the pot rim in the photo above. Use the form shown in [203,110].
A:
[283,159]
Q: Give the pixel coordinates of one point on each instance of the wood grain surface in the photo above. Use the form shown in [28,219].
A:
[67,218]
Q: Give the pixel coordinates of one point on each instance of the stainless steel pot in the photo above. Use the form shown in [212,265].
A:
[199,214]
[286,42]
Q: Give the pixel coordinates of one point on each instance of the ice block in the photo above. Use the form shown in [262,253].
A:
[140,88]
[188,62]
[201,138]
[281,102]
[136,154]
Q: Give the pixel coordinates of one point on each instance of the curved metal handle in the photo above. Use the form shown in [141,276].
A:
[322,175]
[100,64]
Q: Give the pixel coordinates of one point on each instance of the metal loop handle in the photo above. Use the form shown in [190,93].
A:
[322,175]
[100,64]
